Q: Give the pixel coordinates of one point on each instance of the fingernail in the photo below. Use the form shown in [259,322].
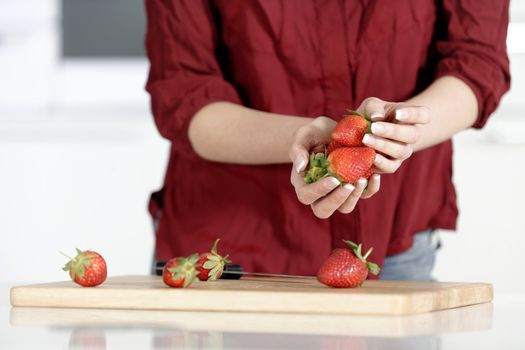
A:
[377,177]
[368,139]
[377,116]
[333,182]
[362,182]
[349,187]
[401,114]
[299,165]
[377,128]
[378,159]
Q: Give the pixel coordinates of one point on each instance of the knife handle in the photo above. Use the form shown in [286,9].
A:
[159,266]
[232,268]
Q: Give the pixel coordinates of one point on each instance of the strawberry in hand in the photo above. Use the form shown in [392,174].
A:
[87,269]
[181,272]
[351,129]
[346,267]
[211,264]
[332,146]
[347,164]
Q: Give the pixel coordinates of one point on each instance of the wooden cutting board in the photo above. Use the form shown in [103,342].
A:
[256,294]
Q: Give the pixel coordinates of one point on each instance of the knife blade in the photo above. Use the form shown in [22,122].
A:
[235,271]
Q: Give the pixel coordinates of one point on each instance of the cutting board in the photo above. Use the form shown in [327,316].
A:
[256,294]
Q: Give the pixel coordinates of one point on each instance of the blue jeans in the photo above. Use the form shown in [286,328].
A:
[416,263]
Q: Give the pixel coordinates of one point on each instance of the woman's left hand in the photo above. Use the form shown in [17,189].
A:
[395,129]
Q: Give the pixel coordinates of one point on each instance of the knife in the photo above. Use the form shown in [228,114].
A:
[234,272]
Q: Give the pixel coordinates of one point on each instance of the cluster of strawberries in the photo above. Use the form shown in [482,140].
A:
[346,157]
[88,268]
[181,272]
[345,267]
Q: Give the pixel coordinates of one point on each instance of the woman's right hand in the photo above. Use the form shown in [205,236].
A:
[325,196]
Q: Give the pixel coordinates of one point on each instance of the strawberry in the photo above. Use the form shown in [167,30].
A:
[181,272]
[347,164]
[88,268]
[211,264]
[351,129]
[332,146]
[346,267]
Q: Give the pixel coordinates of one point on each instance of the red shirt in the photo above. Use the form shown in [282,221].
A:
[309,58]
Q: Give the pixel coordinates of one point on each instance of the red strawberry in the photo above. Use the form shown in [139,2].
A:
[180,272]
[351,129]
[332,146]
[346,267]
[369,173]
[211,264]
[88,268]
[348,164]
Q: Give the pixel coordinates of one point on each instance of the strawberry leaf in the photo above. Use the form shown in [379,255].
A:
[358,251]
[214,248]
[367,254]
[352,112]
[373,268]
[350,244]
[366,115]
[212,257]
[215,273]
[192,259]
[210,264]
[186,282]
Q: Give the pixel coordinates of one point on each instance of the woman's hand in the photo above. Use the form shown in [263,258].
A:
[326,195]
[395,130]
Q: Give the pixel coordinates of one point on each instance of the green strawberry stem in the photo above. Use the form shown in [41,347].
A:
[319,168]
[67,256]
[215,262]
[357,249]
[186,267]
[77,265]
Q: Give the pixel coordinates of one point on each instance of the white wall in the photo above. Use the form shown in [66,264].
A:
[28,54]
[80,175]
[80,155]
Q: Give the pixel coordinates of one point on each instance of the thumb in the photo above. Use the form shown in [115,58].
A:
[375,107]
[299,156]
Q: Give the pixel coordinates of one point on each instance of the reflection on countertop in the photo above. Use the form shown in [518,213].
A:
[473,318]
[91,329]
[485,326]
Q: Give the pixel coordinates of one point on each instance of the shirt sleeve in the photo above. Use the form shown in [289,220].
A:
[181,44]
[473,49]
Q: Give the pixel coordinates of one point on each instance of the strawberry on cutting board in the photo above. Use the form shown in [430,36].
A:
[211,264]
[350,130]
[347,164]
[87,269]
[346,267]
[181,272]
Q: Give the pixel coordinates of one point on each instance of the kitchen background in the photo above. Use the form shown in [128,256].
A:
[79,152]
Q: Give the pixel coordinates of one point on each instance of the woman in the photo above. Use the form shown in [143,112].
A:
[243,88]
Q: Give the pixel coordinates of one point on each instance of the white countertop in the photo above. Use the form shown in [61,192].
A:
[498,325]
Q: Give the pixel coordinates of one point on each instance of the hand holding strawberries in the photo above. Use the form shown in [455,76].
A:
[326,195]
[376,139]
[394,131]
